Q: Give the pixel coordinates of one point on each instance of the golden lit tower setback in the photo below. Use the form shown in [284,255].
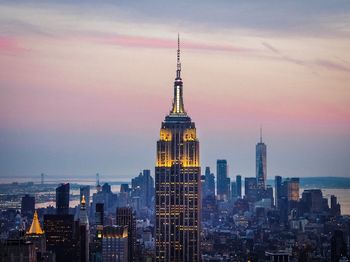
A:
[177,177]
[35,228]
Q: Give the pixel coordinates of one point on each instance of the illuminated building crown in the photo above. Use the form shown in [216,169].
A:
[35,228]
[178,104]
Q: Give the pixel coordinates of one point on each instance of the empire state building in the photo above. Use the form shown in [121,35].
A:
[177,179]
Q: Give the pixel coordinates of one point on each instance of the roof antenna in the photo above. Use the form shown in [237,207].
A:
[178,57]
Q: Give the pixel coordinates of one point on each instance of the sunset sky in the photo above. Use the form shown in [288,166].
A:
[84,85]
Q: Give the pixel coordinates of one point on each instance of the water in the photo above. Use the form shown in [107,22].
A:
[76,197]
[343,196]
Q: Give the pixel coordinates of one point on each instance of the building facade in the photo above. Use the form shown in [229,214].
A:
[223,181]
[177,180]
[209,186]
[239,185]
[59,233]
[278,190]
[115,244]
[62,199]
[125,217]
[28,205]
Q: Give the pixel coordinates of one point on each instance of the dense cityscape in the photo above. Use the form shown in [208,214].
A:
[177,215]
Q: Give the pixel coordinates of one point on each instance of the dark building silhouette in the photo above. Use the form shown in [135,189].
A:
[268,193]
[239,185]
[209,186]
[125,217]
[148,183]
[28,206]
[96,245]
[209,208]
[250,188]
[84,236]
[313,200]
[106,188]
[17,250]
[178,184]
[335,206]
[261,168]
[338,246]
[99,214]
[278,190]
[233,190]
[60,237]
[284,209]
[124,188]
[62,199]
[143,188]
[223,181]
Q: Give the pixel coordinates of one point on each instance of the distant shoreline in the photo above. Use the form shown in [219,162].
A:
[305,182]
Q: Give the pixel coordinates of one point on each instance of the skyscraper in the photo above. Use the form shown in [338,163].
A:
[85,191]
[239,185]
[125,217]
[278,190]
[335,206]
[223,182]
[96,247]
[290,188]
[36,235]
[99,214]
[338,246]
[261,169]
[59,233]
[233,190]
[250,189]
[83,231]
[115,244]
[209,188]
[177,176]
[62,199]
[143,188]
[28,205]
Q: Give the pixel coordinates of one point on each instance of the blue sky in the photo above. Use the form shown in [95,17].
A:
[84,85]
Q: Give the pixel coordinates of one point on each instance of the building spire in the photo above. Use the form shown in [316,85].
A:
[260,134]
[178,105]
[83,217]
[83,201]
[178,71]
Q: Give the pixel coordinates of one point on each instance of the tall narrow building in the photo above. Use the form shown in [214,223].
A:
[83,231]
[239,185]
[62,199]
[209,188]
[261,170]
[126,217]
[223,181]
[177,179]
[278,191]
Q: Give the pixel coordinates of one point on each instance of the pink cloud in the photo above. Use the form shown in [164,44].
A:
[332,65]
[150,42]
[9,45]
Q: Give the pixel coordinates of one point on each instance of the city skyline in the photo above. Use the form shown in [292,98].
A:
[88,100]
[108,146]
